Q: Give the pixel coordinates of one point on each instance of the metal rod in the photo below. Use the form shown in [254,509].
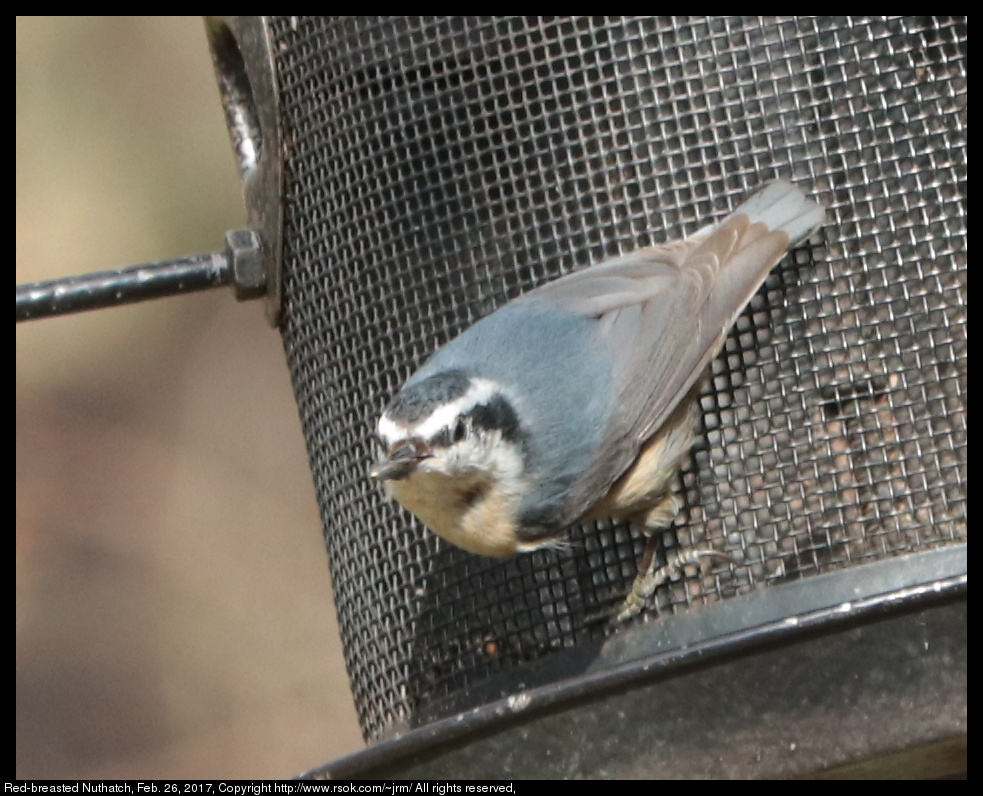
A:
[123,285]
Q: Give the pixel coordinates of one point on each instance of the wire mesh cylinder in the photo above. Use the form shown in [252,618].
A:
[437,167]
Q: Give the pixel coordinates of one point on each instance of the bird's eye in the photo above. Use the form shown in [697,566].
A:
[460,431]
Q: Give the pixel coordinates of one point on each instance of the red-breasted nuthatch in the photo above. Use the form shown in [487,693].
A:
[576,400]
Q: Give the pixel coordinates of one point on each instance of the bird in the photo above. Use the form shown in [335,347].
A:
[577,400]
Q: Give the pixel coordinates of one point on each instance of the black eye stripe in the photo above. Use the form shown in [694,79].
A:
[496,414]
[448,436]
[442,439]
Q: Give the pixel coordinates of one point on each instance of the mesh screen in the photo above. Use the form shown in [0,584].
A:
[436,168]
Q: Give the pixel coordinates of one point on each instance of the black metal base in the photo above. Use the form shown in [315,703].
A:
[875,678]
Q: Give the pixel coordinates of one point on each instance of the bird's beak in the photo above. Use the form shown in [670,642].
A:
[399,462]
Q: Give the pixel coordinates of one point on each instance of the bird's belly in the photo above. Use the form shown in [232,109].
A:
[646,483]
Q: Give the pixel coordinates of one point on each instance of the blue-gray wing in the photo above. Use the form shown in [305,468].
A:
[664,312]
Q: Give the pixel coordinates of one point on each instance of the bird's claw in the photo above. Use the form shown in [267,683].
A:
[652,577]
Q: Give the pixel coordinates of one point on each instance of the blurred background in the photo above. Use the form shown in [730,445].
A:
[174,613]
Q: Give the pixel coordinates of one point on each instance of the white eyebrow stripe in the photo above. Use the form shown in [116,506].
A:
[388,431]
[480,391]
